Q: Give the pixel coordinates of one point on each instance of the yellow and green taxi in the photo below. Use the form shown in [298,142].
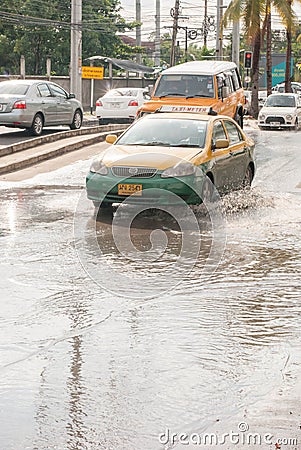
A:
[172,155]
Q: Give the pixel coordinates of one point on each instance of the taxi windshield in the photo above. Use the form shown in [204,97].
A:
[167,132]
[188,86]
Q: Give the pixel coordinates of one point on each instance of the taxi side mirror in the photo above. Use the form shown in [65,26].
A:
[225,91]
[111,138]
[221,143]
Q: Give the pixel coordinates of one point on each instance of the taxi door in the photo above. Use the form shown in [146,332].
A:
[221,159]
[238,152]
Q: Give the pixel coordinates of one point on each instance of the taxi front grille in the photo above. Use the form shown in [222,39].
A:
[275,119]
[133,172]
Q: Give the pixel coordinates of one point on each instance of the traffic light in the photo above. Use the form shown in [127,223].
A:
[248,60]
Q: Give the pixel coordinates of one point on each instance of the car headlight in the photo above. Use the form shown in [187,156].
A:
[289,117]
[261,116]
[179,170]
[99,167]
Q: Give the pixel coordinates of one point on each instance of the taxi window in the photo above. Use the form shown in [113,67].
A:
[235,79]
[218,132]
[229,83]
[233,132]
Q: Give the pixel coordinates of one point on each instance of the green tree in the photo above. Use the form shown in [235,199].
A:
[38,29]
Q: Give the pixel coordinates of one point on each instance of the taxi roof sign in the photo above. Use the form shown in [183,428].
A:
[191,109]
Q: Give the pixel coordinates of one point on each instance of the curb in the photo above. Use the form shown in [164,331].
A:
[43,156]
[56,137]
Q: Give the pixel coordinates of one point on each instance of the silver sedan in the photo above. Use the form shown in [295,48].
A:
[34,104]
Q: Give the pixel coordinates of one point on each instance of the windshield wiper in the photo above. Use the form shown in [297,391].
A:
[173,94]
[184,145]
[198,95]
[164,144]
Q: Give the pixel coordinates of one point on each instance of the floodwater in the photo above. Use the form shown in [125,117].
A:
[88,363]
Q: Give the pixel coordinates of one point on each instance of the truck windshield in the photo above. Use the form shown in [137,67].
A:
[188,86]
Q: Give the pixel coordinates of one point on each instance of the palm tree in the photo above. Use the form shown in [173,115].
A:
[256,15]
[251,12]
[267,28]
[288,86]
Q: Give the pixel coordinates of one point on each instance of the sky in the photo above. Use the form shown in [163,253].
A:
[191,9]
[194,9]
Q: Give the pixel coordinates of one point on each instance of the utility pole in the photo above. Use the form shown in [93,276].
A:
[22,66]
[174,32]
[76,49]
[219,33]
[138,29]
[158,37]
[235,42]
[205,23]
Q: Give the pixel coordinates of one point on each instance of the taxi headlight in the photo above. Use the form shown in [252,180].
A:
[261,116]
[289,117]
[99,167]
[179,170]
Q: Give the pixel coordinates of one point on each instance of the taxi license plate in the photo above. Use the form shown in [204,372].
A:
[130,189]
[275,124]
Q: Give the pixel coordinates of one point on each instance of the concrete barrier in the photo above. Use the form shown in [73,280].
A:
[42,154]
[58,136]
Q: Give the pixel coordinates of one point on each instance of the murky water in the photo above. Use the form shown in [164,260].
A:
[84,368]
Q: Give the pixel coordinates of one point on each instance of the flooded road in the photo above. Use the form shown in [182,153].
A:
[88,364]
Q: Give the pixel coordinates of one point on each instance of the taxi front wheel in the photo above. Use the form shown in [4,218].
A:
[207,190]
[102,207]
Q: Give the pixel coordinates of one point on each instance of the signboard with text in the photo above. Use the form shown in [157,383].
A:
[278,69]
[91,72]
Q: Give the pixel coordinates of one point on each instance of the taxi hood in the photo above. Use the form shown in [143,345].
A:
[157,157]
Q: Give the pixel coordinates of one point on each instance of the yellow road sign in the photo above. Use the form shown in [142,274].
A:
[92,72]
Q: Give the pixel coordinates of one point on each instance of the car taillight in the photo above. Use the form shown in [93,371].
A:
[133,103]
[98,103]
[20,104]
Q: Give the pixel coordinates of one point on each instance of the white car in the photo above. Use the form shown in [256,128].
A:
[280,110]
[296,87]
[262,96]
[120,104]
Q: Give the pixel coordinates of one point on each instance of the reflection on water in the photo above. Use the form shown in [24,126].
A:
[88,369]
